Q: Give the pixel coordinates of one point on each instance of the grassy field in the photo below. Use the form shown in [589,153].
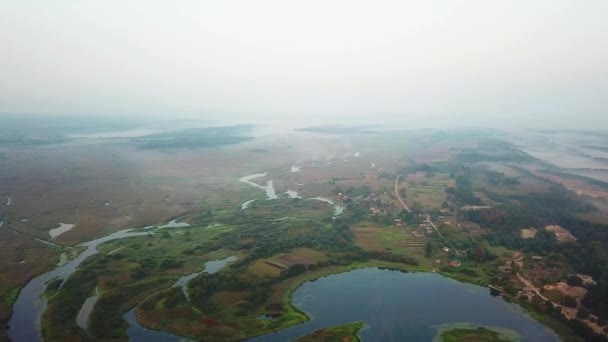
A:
[427,191]
[398,240]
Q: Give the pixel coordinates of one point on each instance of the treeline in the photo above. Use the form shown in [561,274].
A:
[336,240]
[205,137]
[499,178]
[463,192]
[557,206]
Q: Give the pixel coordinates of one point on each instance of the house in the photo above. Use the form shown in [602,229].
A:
[375,210]
[504,269]
[455,263]
[398,222]
[437,262]
[445,249]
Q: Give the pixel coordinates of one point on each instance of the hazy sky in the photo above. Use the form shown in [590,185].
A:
[427,62]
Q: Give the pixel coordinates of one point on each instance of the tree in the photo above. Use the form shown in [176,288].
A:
[574,280]
[569,301]
[582,313]
[293,270]
[428,250]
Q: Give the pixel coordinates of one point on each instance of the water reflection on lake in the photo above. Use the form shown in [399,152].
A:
[401,306]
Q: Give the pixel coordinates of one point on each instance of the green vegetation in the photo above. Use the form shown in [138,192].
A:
[479,334]
[347,332]
[141,271]
[283,243]
[52,287]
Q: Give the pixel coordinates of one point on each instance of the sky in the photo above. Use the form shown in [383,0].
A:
[431,63]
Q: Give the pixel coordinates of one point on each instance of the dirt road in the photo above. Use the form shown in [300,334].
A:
[399,197]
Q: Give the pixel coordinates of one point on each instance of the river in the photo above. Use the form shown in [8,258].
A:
[269,188]
[138,333]
[209,268]
[271,193]
[29,306]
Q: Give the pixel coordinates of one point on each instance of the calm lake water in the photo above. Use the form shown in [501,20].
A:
[403,307]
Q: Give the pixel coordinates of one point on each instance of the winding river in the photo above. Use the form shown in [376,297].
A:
[271,193]
[138,333]
[209,268]
[269,188]
[29,306]
[396,306]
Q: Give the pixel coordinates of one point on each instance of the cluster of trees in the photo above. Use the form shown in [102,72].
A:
[577,328]
[463,192]
[556,206]
[499,178]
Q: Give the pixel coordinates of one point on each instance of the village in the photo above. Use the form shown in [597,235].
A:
[530,278]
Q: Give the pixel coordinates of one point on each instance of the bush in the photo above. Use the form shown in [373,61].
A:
[582,313]
[570,301]
[574,281]
[170,263]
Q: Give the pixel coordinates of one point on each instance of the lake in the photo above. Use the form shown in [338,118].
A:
[398,306]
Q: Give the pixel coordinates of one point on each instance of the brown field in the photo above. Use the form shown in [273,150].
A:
[260,268]
[273,266]
[528,233]
[21,259]
[572,291]
[561,234]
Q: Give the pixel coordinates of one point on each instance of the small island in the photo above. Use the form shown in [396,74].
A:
[472,333]
[347,332]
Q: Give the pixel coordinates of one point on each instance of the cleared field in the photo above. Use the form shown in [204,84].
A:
[395,240]
[528,233]
[261,268]
[428,191]
[272,267]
